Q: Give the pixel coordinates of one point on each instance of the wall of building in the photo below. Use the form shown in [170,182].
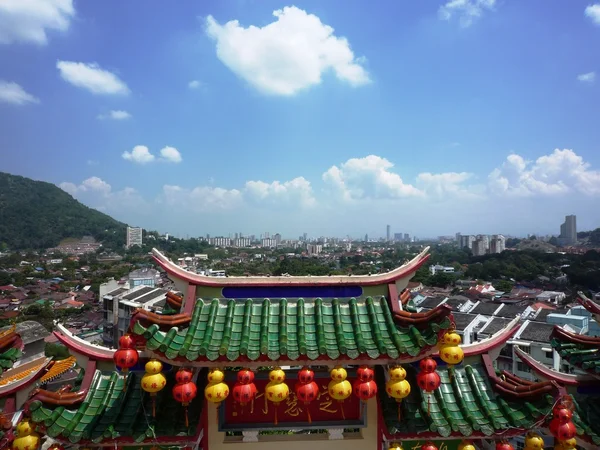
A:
[366,441]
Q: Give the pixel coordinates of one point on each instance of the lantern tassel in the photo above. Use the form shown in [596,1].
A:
[276,408]
[429,404]
[153,406]
[399,411]
[308,414]
[342,408]
[187,424]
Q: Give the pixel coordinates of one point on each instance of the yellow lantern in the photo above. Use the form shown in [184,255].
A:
[533,441]
[451,338]
[27,438]
[397,387]
[216,390]
[395,446]
[451,354]
[466,445]
[153,381]
[567,444]
[339,388]
[277,391]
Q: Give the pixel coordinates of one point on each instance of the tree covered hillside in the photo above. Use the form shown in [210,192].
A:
[36,214]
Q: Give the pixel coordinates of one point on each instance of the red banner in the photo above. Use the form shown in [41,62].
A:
[291,411]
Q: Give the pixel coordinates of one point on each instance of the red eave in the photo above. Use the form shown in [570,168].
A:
[80,349]
[374,280]
[553,375]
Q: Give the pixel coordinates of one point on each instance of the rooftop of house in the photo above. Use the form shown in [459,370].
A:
[486,308]
[495,325]
[30,331]
[535,331]
[462,320]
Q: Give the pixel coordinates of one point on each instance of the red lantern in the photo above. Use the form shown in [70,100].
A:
[504,445]
[126,357]
[561,426]
[562,431]
[365,387]
[184,391]
[428,379]
[429,446]
[244,390]
[306,389]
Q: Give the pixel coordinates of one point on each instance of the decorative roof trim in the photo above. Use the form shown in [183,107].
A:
[562,334]
[17,384]
[83,347]
[346,280]
[551,374]
[588,304]
[58,368]
[509,385]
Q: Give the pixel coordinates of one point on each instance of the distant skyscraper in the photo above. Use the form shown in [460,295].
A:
[406,237]
[134,236]
[366,238]
[398,237]
[388,232]
[568,231]
[497,244]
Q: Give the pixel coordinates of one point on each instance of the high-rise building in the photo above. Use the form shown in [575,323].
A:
[134,236]
[497,244]
[406,237]
[277,238]
[387,233]
[478,247]
[398,237]
[568,231]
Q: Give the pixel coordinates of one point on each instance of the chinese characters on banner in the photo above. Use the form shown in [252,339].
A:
[261,411]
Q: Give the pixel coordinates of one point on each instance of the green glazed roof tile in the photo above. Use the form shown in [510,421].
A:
[586,357]
[291,329]
[111,410]
[8,358]
[464,403]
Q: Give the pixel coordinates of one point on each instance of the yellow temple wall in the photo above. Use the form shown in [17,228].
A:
[365,440]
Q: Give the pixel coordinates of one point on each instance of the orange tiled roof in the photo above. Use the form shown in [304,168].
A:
[8,331]
[23,374]
[58,368]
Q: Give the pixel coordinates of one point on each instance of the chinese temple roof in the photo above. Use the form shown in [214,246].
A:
[578,350]
[10,348]
[278,329]
[365,280]
[109,410]
[470,402]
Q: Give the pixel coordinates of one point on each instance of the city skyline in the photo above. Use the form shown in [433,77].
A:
[432,117]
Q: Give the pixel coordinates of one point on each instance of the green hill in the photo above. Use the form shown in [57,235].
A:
[36,215]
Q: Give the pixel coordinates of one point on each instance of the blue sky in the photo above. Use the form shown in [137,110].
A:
[332,118]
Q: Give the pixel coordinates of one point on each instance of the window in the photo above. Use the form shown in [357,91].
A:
[549,355]
[522,367]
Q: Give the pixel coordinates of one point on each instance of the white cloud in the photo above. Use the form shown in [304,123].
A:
[287,55]
[28,20]
[593,12]
[195,84]
[140,155]
[92,184]
[202,198]
[126,203]
[91,77]
[468,11]
[589,77]
[170,154]
[560,172]
[447,184]
[296,192]
[368,178]
[115,115]
[11,92]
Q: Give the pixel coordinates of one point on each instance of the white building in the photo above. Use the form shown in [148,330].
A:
[314,249]
[497,244]
[436,268]
[134,236]
[119,305]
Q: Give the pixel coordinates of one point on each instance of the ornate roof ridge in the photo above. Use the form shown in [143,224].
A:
[365,280]
[551,374]
[564,335]
[588,303]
